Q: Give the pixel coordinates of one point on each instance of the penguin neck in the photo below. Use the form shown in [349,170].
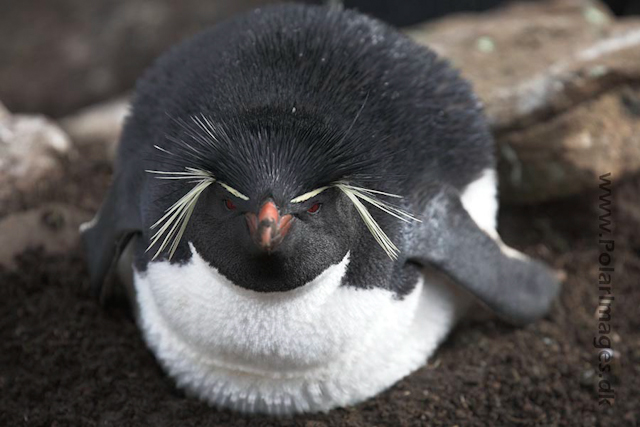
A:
[220,286]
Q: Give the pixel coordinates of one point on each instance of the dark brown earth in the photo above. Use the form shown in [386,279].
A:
[64,360]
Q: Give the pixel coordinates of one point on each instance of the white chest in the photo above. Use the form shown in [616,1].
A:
[320,346]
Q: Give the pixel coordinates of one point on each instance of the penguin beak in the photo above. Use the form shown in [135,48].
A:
[268,228]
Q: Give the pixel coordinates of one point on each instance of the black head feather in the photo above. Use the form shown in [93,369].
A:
[267,150]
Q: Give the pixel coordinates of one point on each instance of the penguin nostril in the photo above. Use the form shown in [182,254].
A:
[267,234]
[252,222]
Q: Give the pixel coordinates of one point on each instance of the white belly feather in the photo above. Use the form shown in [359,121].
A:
[317,347]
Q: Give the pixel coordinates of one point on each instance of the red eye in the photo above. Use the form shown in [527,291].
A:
[313,209]
[229,205]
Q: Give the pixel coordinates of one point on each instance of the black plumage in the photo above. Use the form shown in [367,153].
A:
[288,99]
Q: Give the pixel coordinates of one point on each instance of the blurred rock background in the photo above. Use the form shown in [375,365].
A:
[57,57]
[560,81]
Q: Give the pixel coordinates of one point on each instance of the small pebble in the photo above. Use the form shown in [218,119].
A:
[485,44]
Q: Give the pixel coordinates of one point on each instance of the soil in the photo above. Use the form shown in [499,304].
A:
[65,360]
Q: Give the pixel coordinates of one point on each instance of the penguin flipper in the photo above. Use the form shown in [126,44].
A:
[106,236]
[514,286]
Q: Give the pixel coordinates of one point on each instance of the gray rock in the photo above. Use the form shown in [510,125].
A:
[98,125]
[32,149]
[52,227]
[556,79]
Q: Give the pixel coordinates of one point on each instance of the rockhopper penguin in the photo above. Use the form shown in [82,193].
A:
[310,200]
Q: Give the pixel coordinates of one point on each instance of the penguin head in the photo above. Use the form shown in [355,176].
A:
[270,198]
[268,243]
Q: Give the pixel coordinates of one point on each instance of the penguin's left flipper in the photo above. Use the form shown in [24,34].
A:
[514,286]
[106,237]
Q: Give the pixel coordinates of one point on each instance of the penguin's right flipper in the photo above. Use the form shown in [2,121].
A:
[514,286]
[106,236]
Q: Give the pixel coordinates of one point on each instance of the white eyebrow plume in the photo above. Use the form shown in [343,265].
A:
[359,194]
[189,173]
[306,196]
[233,191]
[174,222]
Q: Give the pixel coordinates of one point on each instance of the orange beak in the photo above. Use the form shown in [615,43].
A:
[268,228]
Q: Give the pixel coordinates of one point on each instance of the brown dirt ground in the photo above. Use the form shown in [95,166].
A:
[64,360]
